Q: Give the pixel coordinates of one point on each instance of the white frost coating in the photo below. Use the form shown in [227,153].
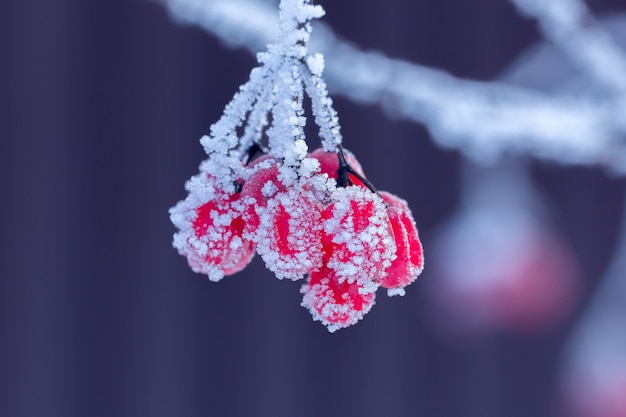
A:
[358,227]
[269,189]
[289,237]
[218,250]
[316,64]
[284,204]
[322,107]
[276,87]
[309,166]
[333,311]
[396,291]
[257,119]
[484,120]
[209,219]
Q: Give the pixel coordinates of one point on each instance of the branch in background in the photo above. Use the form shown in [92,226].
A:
[246,24]
[481,119]
[571,27]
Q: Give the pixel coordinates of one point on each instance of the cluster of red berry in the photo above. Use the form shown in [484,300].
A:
[331,226]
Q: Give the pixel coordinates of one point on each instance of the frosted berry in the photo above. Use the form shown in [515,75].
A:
[409,261]
[334,302]
[502,269]
[262,185]
[357,237]
[329,164]
[539,288]
[289,235]
[210,234]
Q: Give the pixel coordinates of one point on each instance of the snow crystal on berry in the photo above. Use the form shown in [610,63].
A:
[262,184]
[289,236]
[336,304]
[357,237]
[211,229]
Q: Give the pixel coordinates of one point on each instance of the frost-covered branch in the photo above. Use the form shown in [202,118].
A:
[572,28]
[482,119]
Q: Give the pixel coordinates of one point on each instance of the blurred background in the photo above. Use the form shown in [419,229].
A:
[102,104]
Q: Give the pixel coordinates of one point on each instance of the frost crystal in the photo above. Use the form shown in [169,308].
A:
[308,215]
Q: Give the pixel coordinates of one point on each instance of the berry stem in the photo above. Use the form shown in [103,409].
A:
[343,179]
[255,148]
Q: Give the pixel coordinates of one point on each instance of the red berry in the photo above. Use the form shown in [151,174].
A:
[211,233]
[539,289]
[393,200]
[262,185]
[498,269]
[289,236]
[334,302]
[357,236]
[409,261]
[329,164]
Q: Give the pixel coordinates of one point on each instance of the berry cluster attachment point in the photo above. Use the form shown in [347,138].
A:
[310,216]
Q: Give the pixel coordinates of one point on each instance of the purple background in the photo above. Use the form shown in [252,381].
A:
[102,104]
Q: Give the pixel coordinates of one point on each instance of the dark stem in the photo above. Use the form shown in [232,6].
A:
[343,179]
[252,151]
[238,186]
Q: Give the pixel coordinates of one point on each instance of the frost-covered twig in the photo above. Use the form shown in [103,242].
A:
[481,119]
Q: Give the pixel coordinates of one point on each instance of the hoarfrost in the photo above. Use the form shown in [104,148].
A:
[207,234]
[286,204]
[316,64]
[289,236]
[356,255]
[336,305]
[396,291]
[276,88]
